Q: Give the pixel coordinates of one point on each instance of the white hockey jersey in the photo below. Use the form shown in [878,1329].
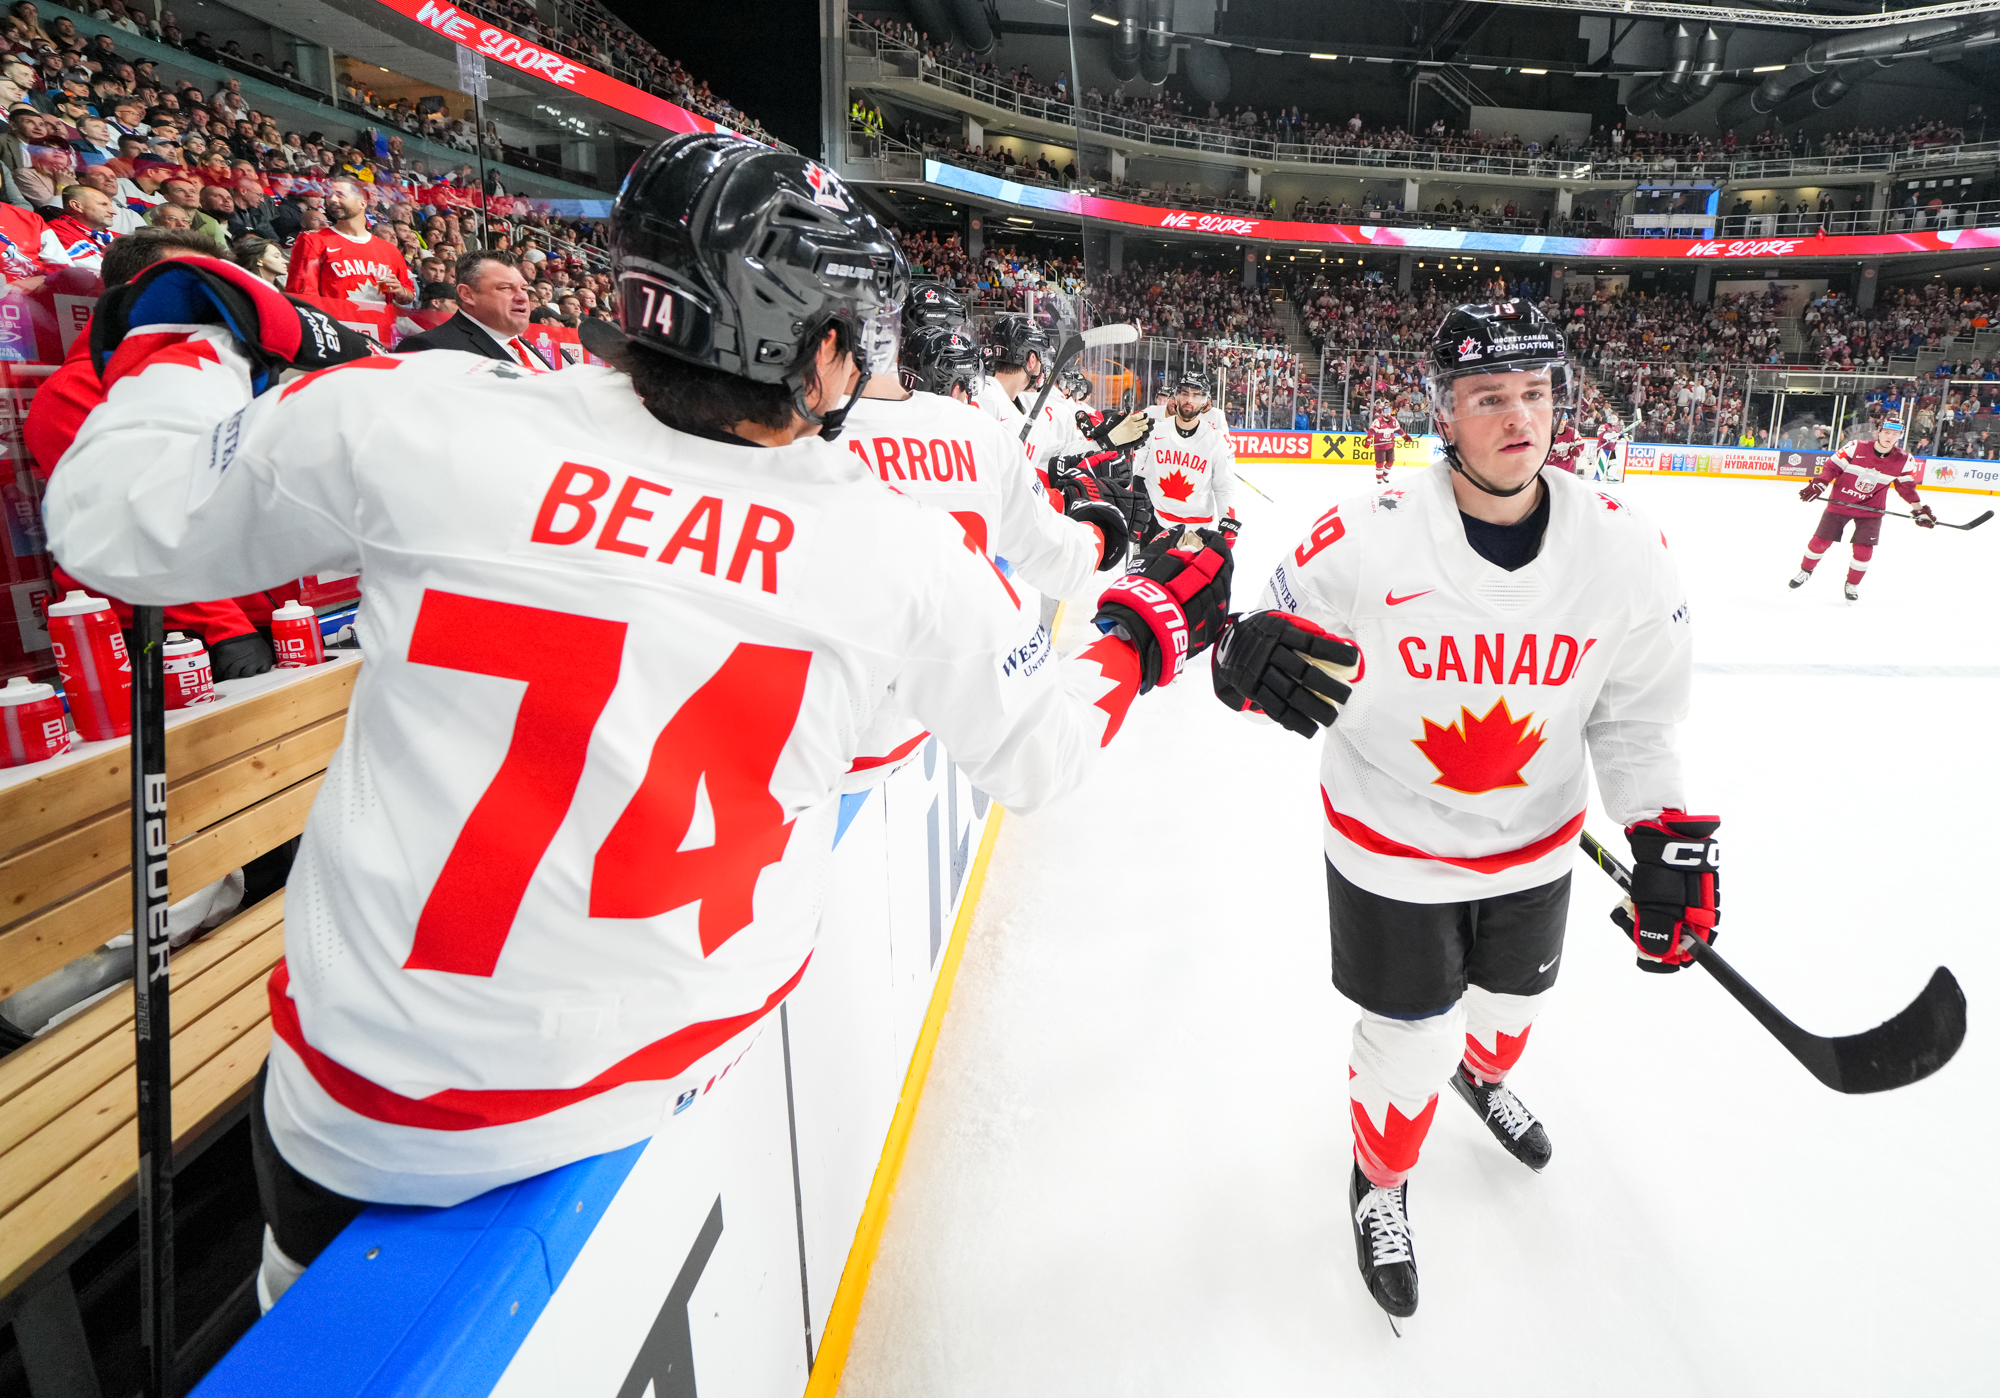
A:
[1457,769]
[568,853]
[948,454]
[1054,432]
[1191,477]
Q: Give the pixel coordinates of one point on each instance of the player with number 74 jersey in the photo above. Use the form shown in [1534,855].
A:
[569,851]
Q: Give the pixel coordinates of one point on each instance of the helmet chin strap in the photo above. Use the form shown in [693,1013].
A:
[833,420]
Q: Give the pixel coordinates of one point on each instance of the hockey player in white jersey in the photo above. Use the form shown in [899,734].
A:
[604,593]
[1188,463]
[1495,625]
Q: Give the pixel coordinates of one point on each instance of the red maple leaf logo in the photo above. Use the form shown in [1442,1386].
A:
[1477,755]
[1176,486]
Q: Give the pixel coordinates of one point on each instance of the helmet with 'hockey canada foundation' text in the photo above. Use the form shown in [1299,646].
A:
[932,303]
[736,257]
[940,358]
[1474,346]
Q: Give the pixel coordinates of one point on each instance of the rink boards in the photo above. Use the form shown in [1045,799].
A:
[709,1259]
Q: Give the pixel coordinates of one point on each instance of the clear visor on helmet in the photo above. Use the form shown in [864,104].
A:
[878,337]
[1520,386]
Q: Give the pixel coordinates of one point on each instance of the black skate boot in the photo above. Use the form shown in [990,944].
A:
[1382,1245]
[1512,1124]
[1852,591]
[1800,578]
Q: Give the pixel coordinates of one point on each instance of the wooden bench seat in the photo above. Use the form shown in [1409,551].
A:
[241,775]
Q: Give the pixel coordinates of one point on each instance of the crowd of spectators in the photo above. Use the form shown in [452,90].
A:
[97,146]
[1187,303]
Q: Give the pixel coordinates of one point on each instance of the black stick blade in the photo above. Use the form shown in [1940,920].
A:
[1974,523]
[1907,1048]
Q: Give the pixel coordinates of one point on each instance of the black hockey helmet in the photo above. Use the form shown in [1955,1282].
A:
[1488,338]
[939,358]
[736,257]
[1074,384]
[1194,381]
[1011,339]
[932,303]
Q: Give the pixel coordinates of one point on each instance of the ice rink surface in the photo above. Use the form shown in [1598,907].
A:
[1128,1173]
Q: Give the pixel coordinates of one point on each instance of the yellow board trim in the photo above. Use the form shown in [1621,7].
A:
[833,1345]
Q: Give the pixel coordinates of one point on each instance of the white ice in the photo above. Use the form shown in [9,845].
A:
[1128,1174]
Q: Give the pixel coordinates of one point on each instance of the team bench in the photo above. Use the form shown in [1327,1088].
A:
[242,774]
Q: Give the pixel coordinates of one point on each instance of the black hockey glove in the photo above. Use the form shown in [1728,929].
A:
[1282,665]
[1084,499]
[1676,888]
[1173,607]
[273,331]
[239,657]
[1115,432]
[1230,527]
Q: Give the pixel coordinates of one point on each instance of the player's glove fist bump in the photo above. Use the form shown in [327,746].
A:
[1676,888]
[1122,431]
[1285,667]
[1174,606]
[273,331]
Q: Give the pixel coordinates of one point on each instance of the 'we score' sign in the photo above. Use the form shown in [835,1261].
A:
[500,46]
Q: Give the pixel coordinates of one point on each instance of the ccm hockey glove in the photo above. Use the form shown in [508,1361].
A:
[1174,606]
[1282,665]
[273,331]
[1085,498]
[1676,887]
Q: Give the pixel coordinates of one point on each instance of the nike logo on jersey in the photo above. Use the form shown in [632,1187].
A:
[1396,601]
[1543,968]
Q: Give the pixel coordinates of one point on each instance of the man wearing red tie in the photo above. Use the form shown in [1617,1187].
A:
[493,310]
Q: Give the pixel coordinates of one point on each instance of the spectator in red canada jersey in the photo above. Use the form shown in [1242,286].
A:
[27,248]
[236,647]
[348,262]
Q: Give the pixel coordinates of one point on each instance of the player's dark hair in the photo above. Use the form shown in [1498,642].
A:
[702,400]
[132,254]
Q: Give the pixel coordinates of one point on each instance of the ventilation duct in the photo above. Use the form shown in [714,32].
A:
[1125,42]
[1890,42]
[1707,68]
[1667,87]
[1805,101]
[1207,71]
[1157,45]
[976,29]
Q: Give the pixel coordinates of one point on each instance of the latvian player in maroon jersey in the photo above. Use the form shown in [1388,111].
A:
[1383,430]
[1861,474]
[1566,451]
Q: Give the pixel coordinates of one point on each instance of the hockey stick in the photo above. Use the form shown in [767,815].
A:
[1942,524]
[1093,338]
[152,1026]
[1253,485]
[1906,1048]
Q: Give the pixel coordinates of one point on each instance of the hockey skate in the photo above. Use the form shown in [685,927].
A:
[1512,1124]
[1801,578]
[1853,592]
[1382,1245]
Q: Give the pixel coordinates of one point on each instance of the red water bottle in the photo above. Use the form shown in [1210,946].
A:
[31,723]
[295,636]
[186,672]
[96,668]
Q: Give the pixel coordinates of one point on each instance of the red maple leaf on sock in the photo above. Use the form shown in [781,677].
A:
[1176,486]
[1476,755]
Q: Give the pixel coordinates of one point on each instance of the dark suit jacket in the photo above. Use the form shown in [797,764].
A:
[461,333]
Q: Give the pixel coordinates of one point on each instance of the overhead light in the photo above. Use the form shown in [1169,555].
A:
[1538,72]
[1770,68]
[1030,222]
[1322,55]
[1105,19]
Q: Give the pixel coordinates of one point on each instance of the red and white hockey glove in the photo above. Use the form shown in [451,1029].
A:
[1924,516]
[1174,607]
[1813,491]
[273,331]
[1284,666]
[1230,527]
[1676,887]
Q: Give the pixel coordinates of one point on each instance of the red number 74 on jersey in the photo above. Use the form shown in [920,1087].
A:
[729,734]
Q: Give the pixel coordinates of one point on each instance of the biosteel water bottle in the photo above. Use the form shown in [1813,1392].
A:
[295,636]
[96,669]
[188,676]
[31,723]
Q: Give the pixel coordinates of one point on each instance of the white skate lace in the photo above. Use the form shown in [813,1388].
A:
[1381,1212]
[1505,1108]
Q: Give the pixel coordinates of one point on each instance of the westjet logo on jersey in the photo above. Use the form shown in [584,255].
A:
[1029,656]
[589,515]
[1495,659]
[916,459]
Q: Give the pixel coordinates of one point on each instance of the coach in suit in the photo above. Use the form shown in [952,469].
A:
[493,310]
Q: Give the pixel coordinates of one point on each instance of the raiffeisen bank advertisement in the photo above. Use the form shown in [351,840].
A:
[499,46]
[1271,230]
